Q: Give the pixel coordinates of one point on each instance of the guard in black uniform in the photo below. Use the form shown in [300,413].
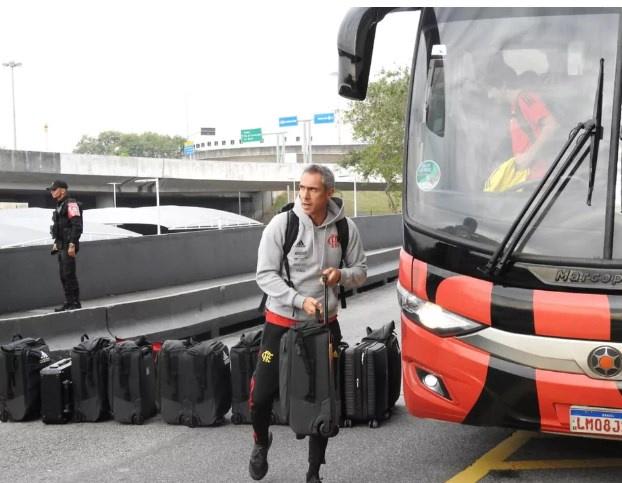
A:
[66,230]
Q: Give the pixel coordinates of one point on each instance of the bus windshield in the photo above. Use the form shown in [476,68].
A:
[495,95]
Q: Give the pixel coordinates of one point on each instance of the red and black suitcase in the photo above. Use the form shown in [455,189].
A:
[56,392]
[309,378]
[89,379]
[131,382]
[366,392]
[20,380]
[194,382]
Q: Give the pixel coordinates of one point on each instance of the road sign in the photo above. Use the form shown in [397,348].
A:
[324,118]
[208,131]
[251,135]
[188,148]
[288,121]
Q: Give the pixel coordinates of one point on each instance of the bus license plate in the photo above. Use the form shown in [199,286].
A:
[595,420]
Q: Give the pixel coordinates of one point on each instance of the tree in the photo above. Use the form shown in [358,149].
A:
[147,144]
[379,122]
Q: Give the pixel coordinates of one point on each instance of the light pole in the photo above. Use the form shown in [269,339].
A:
[157,185]
[12,65]
[114,193]
[353,177]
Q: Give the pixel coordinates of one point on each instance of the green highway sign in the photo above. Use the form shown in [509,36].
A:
[251,135]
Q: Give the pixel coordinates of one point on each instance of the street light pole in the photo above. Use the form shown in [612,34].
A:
[114,193]
[157,186]
[355,203]
[12,65]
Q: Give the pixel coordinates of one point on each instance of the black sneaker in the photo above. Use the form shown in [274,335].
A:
[313,478]
[74,306]
[62,308]
[258,465]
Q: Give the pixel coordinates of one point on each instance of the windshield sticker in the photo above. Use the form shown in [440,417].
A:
[428,175]
[439,50]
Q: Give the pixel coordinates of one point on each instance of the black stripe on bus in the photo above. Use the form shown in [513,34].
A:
[509,397]
[615,310]
[434,278]
[512,310]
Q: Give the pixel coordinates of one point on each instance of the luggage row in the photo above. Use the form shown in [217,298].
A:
[194,383]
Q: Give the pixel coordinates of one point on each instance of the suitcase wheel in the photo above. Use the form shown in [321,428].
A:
[347,423]
[327,431]
[373,423]
[388,414]
[138,419]
[236,418]
[4,416]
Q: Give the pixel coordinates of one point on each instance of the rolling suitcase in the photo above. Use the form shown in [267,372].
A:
[89,375]
[20,380]
[194,380]
[386,335]
[366,391]
[243,362]
[308,380]
[56,399]
[131,382]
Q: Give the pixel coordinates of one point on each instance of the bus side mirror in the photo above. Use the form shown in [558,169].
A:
[355,45]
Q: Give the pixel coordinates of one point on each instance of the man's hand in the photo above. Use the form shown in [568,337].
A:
[310,305]
[71,251]
[333,276]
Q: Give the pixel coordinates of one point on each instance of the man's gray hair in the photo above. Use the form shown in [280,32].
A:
[328,178]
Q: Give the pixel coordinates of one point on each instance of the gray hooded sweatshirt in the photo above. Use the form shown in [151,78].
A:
[316,248]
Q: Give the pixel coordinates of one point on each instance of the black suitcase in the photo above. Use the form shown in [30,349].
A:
[89,375]
[366,381]
[56,399]
[20,380]
[194,381]
[131,382]
[243,362]
[386,335]
[308,379]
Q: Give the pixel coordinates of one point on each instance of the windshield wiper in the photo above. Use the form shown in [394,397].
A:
[592,129]
[598,133]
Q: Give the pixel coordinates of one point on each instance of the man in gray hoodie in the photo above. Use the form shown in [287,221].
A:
[316,252]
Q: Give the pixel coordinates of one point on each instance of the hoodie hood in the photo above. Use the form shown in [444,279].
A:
[334,214]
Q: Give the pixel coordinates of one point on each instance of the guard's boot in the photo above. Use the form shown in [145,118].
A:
[258,465]
[63,307]
[74,305]
[313,473]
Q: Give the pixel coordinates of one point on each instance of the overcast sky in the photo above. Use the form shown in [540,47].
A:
[173,66]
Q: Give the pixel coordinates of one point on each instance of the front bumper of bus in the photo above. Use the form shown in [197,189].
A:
[451,378]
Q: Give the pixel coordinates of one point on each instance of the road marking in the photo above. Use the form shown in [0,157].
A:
[560,464]
[489,461]
[496,458]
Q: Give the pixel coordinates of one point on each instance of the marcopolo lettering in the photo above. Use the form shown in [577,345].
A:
[579,276]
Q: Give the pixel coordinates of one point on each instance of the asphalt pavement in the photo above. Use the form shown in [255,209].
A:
[403,449]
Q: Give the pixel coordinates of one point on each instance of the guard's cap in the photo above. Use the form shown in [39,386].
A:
[59,183]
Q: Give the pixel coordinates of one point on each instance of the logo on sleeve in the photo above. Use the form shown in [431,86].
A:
[300,244]
[73,210]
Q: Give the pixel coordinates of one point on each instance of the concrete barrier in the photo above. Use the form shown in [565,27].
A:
[181,284]
[112,267]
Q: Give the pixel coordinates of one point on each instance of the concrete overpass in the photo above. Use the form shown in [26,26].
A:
[24,174]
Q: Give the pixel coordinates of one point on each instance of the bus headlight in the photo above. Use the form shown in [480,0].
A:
[433,317]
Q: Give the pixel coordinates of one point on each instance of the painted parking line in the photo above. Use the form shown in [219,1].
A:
[489,461]
[495,459]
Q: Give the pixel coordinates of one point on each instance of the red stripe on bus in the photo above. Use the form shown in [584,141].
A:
[572,315]
[558,391]
[466,296]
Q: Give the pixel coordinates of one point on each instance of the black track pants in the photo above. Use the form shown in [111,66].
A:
[265,388]
[67,269]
